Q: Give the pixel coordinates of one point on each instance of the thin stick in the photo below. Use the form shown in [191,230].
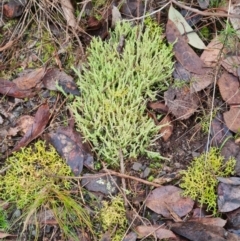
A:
[110,172]
[130,177]
[147,15]
[204,13]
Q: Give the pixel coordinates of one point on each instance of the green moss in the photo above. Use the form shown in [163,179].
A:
[9,25]
[217,3]
[38,42]
[113,218]
[45,47]
[98,3]
[151,178]
[30,171]
[205,32]
[178,83]
[4,224]
[199,181]
[115,88]
[32,183]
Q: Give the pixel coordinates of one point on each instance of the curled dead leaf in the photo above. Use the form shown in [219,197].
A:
[183,52]
[40,121]
[210,55]
[229,88]
[232,119]
[231,64]
[155,230]
[181,102]
[30,80]
[168,197]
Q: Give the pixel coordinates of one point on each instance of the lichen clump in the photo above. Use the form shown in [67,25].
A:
[199,181]
[31,170]
[121,75]
[113,218]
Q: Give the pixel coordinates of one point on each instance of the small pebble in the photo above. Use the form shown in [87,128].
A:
[167,169]
[17,213]
[177,165]
[103,184]
[34,233]
[195,154]
[137,166]
[146,172]
[47,229]
[45,94]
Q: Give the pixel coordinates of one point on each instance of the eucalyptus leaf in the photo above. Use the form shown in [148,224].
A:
[184,28]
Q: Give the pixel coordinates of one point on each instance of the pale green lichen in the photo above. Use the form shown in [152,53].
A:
[31,169]
[113,218]
[115,86]
[199,181]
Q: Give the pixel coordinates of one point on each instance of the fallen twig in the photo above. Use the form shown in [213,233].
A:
[204,13]
[130,177]
[111,172]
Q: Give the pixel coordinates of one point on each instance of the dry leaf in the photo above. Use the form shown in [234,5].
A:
[70,146]
[231,64]
[9,88]
[210,221]
[210,55]
[40,121]
[183,52]
[7,45]
[235,9]
[228,197]
[54,77]
[184,28]
[158,106]
[229,88]
[13,8]
[116,16]
[200,82]
[200,232]
[30,80]
[232,119]
[68,11]
[155,230]
[5,235]
[165,197]
[24,122]
[181,102]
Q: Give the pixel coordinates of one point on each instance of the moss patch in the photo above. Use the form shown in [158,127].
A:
[199,181]
[30,171]
[113,218]
[32,183]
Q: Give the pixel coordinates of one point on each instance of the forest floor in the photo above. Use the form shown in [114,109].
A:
[119,120]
